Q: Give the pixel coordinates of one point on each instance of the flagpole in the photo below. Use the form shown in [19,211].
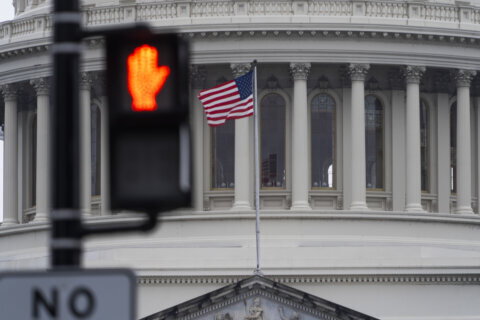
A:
[257,180]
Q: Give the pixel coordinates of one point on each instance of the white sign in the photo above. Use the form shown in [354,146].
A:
[68,295]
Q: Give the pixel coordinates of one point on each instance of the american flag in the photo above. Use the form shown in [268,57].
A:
[229,100]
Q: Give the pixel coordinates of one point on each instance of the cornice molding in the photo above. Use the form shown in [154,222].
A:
[286,35]
[417,278]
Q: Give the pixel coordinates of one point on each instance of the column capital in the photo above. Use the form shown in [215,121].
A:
[358,71]
[464,77]
[300,70]
[9,91]
[41,85]
[198,75]
[413,74]
[239,69]
[86,80]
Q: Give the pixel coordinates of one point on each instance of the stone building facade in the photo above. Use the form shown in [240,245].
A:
[369,145]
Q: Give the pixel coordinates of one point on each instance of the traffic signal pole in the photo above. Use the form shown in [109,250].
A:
[66,224]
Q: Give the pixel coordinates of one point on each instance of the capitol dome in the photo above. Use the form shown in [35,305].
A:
[369,117]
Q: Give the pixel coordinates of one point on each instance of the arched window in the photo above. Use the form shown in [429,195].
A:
[453,148]
[424,146]
[272,143]
[223,156]
[373,142]
[323,141]
[96,149]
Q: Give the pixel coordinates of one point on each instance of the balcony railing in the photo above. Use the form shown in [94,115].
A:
[221,12]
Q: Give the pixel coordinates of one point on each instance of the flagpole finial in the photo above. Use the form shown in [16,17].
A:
[255,62]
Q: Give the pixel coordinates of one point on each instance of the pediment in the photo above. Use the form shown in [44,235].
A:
[258,298]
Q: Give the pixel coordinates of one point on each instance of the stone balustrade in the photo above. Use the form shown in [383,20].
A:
[427,14]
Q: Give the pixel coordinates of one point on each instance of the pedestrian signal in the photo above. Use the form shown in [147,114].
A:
[147,91]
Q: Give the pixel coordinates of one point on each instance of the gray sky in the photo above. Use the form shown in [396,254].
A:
[6,10]
[6,13]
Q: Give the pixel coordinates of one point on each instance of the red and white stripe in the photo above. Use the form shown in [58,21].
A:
[223,102]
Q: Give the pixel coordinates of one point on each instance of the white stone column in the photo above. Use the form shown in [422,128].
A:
[413,159]
[464,183]
[197,79]
[358,72]
[243,185]
[85,144]
[42,87]
[10,169]
[300,139]
[477,145]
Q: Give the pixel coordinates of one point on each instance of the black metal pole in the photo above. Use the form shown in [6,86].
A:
[66,224]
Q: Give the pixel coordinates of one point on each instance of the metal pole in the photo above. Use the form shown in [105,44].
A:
[66,227]
[257,181]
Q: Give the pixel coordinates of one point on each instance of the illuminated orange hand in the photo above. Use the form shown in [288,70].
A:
[145,78]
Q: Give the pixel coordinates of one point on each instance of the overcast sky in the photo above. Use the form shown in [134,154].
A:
[6,13]
[6,10]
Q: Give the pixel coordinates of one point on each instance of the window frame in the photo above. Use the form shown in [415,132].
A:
[286,115]
[212,161]
[312,96]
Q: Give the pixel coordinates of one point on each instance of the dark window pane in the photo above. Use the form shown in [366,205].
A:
[374,142]
[323,141]
[95,149]
[33,164]
[272,127]
[424,147]
[223,154]
[453,148]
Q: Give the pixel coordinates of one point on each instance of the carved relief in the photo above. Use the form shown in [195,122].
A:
[255,312]
[9,91]
[239,69]
[413,74]
[358,71]
[300,71]
[41,85]
[272,83]
[86,81]
[293,316]
[464,77]
[222,316]
[198,74]
[323,83]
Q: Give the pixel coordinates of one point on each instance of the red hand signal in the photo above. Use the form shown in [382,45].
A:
[145,78]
